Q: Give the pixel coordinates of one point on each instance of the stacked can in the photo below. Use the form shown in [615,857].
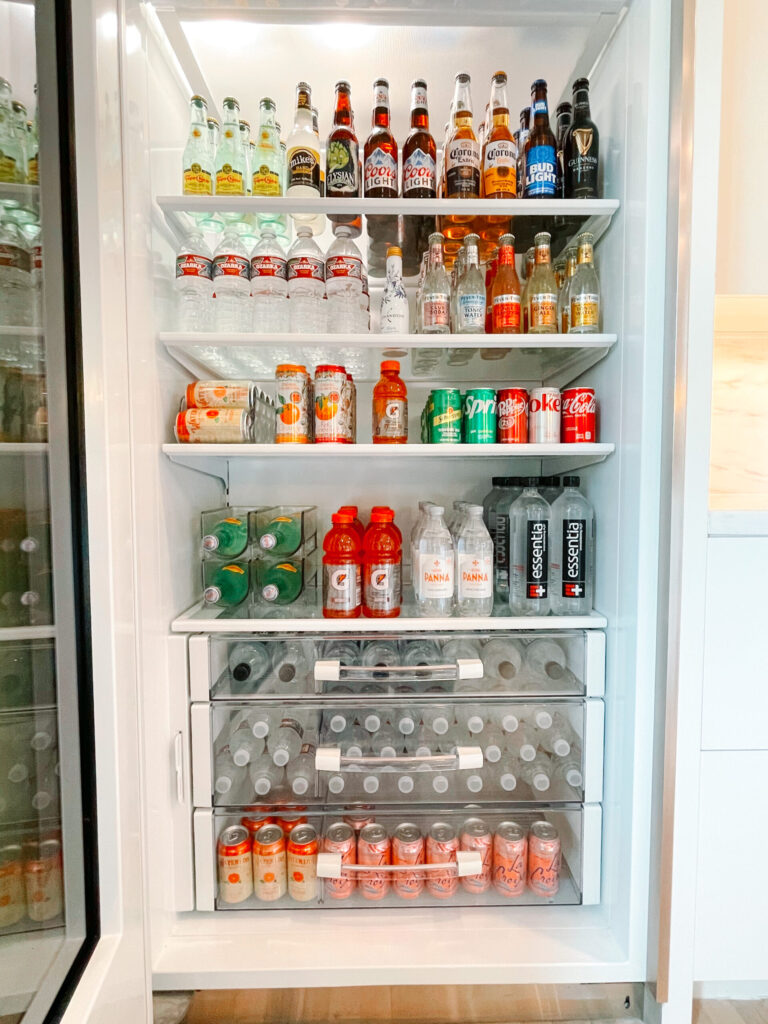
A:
[335,405]
[216,412]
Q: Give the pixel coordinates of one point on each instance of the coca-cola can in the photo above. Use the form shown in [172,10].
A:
[544,416]
[512,416]
[579,415]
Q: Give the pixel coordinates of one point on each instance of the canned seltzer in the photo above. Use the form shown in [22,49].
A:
[442,845]
[220,394]
[445,421]
[544,859]
[340,838]
[476,836]
[214,426]
[510,859]
[235,865]
[13,902]
[373,849]
[408,848]
[480,416]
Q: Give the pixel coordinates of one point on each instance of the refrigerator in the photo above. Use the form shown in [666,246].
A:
[157,662]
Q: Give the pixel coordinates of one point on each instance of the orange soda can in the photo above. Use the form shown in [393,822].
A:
[302,863]
[510,859]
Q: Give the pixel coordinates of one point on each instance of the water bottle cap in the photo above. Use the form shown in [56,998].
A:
[508,781]
[423,751]
[574,778]
[540,782]
[440,726]
[475,723]
[493,753]
[528,752]
[406,726]
[405,784]
[210,543]
[371,784]
[388,751]
[336,784]
[40,741]
[41,800]
[260,730]
[474,783]
[18,773]
[510,723]
[338,723]
[354,750]
[262,786]
[280,757]
[372,723]
[223,785]
[300,786]
[241,672]
[561,747]
[241,757]
[440,784]
[543,719]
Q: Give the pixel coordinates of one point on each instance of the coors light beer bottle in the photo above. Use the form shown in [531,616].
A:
[342,175]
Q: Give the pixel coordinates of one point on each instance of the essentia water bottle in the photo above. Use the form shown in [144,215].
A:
[269,284]
[306,284]
[474,565]
[434,587]
[232,284]
[194,284]
[343,282]
[529,553]
[572,547]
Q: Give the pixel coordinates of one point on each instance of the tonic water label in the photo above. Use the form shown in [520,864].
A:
[436,309]
[341,587]
[436,576]
[585,310]
[574,581]
[33,172]
[265,181]
[462,168]
[506,311]
[304,168]
[381,172]
[229,181]
[197,181]
[382,587]
[536,560]
[541,171]
[500,167]
[306,267]
[475,576]
[269,266]
[342,168]
[472,311]
[229,265]
[393,419]
[343,266]
[543,310]
[189,265]
[419,173]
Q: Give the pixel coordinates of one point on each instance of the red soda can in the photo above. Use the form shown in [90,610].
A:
[512,416]
[374,848]
[544,859]
[544,416]
[408,848]
[510,859]
[340,838]
[579,412]
[477,836]
[442,846]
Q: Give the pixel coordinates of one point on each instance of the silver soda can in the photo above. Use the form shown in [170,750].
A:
[544,416]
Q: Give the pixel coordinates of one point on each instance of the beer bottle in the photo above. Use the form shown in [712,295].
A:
[342,176]
[582,141]
[564,119]
[525,127]
[542,290]
[499,155]
[540,148]
[380,154]
[419,149]
[462,161]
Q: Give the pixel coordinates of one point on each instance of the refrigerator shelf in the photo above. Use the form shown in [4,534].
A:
[19,195]
[21,332]
[24,448]
[554,361]
[201,618]
[27,633]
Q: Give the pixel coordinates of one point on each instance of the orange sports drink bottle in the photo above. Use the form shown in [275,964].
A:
[341,568]
[390,406]
[353,510]
[382,562]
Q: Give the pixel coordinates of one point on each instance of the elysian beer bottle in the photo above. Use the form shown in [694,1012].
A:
[462,158]
[581,148]
[540,148]
[342,174]
[303,153]
[419,176]
[380,176]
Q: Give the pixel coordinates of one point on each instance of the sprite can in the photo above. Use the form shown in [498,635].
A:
[445,420]
[480,416]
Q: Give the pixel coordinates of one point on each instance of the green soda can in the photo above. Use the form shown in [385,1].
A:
[445,427]
[480,416]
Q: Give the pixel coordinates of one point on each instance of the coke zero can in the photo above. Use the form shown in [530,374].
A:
[512,416]
[579,409]
[544,416]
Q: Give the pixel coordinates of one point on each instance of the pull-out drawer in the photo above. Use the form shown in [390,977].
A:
[448,857]
[414,750]
[565,663]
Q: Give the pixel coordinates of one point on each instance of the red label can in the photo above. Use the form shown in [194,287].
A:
[579,415]
[544,416]
[340,838]
[512,416]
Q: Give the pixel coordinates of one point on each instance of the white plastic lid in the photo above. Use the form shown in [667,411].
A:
[440,784]
[543,719]
[372,723]
[493,753]
[354,750]
[474,783]
[561,747]
[574,778]
[338,723]
[212,595]
[18,773]
[510,722]
[210,542]
[223,784]
[423,751]
[388,751]
[241,757]
[300,786]
[336,784]
[41,800]
[406,726]
[263,786]
[540,782]
[405,784]
[260,730]
[527,752]
[371,784]
[41,740]
[508,782]
[475,723]
[280,757]
[440,726]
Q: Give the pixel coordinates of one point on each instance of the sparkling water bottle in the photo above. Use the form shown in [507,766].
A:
[269,284]
[306,284]
[248,663]
[572,551]
[343,282]
[474,565]
[529,546]
[435,584]
[232,284]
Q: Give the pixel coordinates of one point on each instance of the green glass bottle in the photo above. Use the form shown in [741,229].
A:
[228,586]
[228,538]
[282,535]
[281,582]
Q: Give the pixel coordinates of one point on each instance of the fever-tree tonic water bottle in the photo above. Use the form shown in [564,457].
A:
[470,292]
[572,558]
[584,291]
[197,170]
[529,541]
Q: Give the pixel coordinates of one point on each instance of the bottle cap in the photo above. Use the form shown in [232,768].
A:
[382,514]
[581,83]
[474,510]
[532,481]
[390,364]
[342,518]
[435,510]
[349,510]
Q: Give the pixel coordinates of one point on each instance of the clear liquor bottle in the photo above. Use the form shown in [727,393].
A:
[584,292]
[436,293]
[542,291]
[470,291]
[395,314]
[229,163]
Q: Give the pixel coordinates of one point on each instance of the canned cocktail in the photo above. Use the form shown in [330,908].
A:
[510,859]
[373,849]
[340,838]
[235,865]
[302,864]
[408,848]
[269,863]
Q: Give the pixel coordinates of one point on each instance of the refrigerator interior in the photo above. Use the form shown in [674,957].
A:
[264,50]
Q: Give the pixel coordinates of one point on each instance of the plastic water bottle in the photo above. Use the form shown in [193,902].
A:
[337,722]
[244,746]
[248,663]
[508,720]
[386,742]
[232,284]
[503,659]
[266,775]
[227,775]
[300,772]
[489,501]
[523,743]
[16,305]
[285,743]
[572,551]
[474,565]
[438,719]
[499,516]
[560,738]
[269,284]
[289,662]
[507,772]
[537,773]
[568,770]
[434,589]
[306,284]
[343,282]
[354,741]
[194,284]
[493,741]
[545,662]
[380,654]
[529,546]
[421,743]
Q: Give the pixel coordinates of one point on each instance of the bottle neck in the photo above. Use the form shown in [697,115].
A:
[471,258]
[581,104]
[303,118]
[381,117]
[542,255]
[500,118]
[394,272]
[462,119]
[343,113]
[507,256]
[197,117]
[420,118]
[435,256]
[585,252]
[539,109]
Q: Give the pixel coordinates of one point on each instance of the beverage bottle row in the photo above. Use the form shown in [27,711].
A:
[452,562]
[21,270]
[362,568]
[19,139]
[29,767]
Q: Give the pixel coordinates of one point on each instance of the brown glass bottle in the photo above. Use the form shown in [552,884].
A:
[540,148]
[342,162]
[419,149]
[581,148]
[380,154]
[525,127]
[564,119]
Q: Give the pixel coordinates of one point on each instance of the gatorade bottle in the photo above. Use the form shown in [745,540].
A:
[352,510]
[281,583]
[382,561]
[390,406]
[395,527]
[282,535]
[228,538]
[229,586]
[341,569]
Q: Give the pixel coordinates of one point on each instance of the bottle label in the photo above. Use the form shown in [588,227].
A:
[228,265]
[265,181]
[14,256]
[269,266]
[543,310]
[501,550]
[382,587]
[381,96]
[306,267]
[500,168]
[33,172]
[475,576]
[342,169]
[506,311]
[419,98]
[304,168]
[574,558]
[541,171]
[436,309]
[585,310]
[197,181]
[381,172]
[472,310]
[539,107]
[537,560]
[436,576]
[418,173]
[189,265]
[229,181]
[392,419]
[341,587]
[307,748]
[343,266]
[37,257]
[462,168]
[583,162]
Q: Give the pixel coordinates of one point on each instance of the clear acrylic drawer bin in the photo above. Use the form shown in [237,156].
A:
[430,857]
[563,663]
[391,751]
